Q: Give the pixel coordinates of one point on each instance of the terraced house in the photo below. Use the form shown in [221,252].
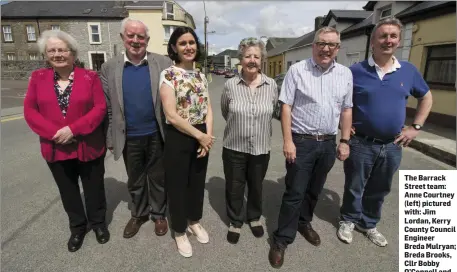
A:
[428,41]
[94,24]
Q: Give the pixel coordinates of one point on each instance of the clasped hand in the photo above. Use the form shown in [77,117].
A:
[206,142]
[63,136]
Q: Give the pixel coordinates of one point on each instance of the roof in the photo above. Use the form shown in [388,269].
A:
[283,47]
[305,40]
[351,15]
[368,22]
[370,5]
[59,9]
[425,7]
[149,4]
[275,41]
[232,53]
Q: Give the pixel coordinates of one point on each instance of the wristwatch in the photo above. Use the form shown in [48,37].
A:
[416,126]
[344,141]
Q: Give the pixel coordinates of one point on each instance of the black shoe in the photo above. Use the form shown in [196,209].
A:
[76,241]
[233,237]
[102,235]
[257,231]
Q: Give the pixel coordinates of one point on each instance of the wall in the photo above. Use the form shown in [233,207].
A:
[20,69]
[353,45]
[444,101]
[153,19]
[298,54]
[274,61]
[111,42]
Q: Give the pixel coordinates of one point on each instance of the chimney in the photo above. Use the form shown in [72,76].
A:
[318,22]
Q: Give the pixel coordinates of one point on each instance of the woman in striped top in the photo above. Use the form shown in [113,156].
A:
[247,105]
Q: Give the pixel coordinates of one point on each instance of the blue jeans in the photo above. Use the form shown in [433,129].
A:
[305,180]
[368,171]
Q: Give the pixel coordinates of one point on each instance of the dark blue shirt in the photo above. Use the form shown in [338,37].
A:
[138,103]
[379,108]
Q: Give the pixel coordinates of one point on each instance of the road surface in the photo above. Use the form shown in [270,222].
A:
[35,226]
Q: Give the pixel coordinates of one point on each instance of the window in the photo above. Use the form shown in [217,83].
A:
[55,27]
[168,31]
[95,36]
[289,63]
[274,68]
[280,68]
[31,37]
[169,11]
[270,69]
[7,33]
[440,65]
[297,61]
[385,13]
[33,56]
[352,58]
[10,56]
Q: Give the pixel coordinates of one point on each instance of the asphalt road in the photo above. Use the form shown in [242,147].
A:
[13,93]
[35,226]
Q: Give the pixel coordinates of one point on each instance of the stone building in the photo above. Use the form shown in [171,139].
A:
[94,24]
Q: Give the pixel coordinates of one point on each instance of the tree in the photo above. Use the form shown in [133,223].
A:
[201,60]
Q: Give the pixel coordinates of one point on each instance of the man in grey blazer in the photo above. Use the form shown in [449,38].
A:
[135,124]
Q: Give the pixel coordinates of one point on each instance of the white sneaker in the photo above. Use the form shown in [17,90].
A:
[184,247]
[344,232]
[199,232]
[374,235]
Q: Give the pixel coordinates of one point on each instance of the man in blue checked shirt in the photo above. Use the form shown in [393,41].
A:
[382,85]
[316,96]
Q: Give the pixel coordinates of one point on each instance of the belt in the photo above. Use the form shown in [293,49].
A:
[375,140]
[318,138]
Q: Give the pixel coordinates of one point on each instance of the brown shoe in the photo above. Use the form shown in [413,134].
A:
[161,227]
[133,226]
[309,233]
[276,256]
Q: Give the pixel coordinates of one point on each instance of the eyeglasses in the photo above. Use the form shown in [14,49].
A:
[61,51]
[331,46]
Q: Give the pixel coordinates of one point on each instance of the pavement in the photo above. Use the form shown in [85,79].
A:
[35,226]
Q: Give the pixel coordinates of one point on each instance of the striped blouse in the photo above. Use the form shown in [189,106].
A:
[248,114]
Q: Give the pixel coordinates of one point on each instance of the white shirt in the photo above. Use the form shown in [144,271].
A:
[380,72]
[126,59]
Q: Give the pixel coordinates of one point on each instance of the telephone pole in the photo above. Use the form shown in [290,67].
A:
[206,45]
[205,63]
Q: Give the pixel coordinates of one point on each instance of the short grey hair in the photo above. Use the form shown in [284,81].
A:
[130,20]
[326,29]
[251,42]
[57,34]
[387,21]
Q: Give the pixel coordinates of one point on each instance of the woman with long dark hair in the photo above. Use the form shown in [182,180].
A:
[187,108]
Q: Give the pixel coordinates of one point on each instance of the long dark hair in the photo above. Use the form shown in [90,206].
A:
[177,33]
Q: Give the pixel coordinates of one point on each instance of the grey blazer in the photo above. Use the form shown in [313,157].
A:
[111,77]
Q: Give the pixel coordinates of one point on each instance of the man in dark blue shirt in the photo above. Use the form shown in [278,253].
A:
[135,124]
[382,85]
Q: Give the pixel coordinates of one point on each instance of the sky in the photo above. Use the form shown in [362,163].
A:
[235,20]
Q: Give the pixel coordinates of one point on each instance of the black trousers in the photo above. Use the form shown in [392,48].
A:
[66,174]
[185,177]
[241,169]
[146,190]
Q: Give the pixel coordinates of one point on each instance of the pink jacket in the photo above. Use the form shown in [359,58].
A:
[85,114]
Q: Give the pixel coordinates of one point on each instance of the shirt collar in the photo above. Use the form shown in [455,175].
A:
[396,65]
[332,64]
[144,60]
[263,78]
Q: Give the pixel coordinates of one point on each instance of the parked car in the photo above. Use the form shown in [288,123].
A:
[229,74]
[277,110]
